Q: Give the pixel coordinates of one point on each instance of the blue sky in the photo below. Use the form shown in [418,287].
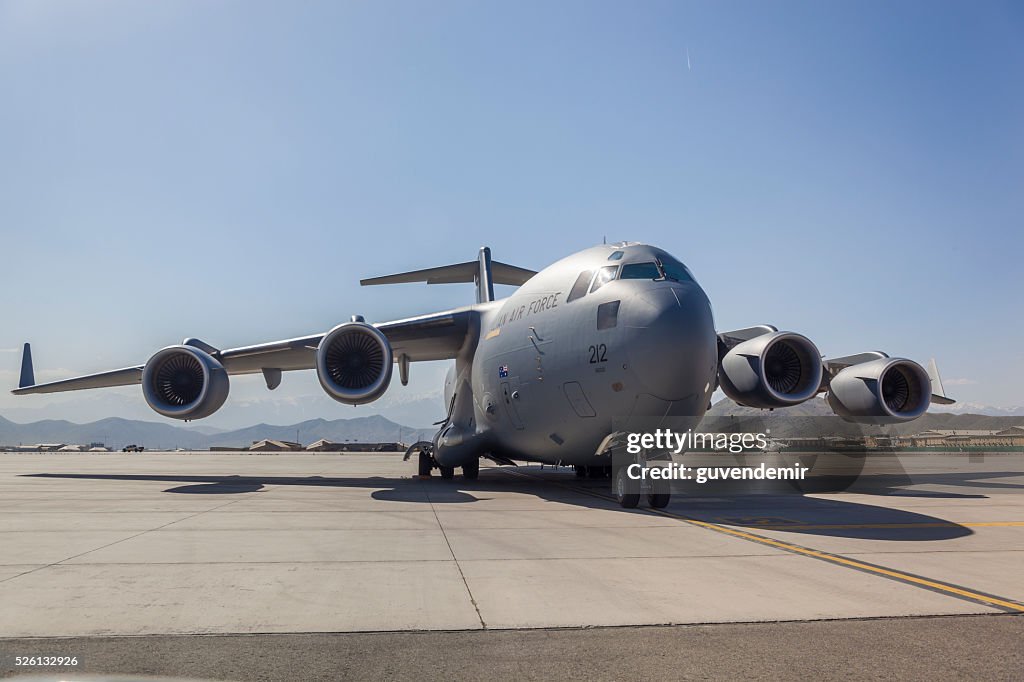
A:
[229,170]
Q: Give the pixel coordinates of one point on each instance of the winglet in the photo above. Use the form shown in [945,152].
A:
[28,376]
[939,396]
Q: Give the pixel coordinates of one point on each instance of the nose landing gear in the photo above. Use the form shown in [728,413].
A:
[424,450]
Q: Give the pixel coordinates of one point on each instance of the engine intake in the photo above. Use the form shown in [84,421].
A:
[183,382]
[354,362]
[772,370]
[887,390]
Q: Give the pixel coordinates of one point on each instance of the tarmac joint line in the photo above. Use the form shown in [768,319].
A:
[472,599]
[941,587]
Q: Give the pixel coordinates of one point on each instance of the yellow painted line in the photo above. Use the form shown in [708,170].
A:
[853,563]
[876,526]
[824,556]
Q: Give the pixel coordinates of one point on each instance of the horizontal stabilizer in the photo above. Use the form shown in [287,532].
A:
[501,273]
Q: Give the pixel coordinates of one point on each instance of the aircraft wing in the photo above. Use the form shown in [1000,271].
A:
[436,336]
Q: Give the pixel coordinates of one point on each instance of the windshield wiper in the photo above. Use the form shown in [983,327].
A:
[662,274]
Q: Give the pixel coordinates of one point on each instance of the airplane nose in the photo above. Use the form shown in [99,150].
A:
[673,349]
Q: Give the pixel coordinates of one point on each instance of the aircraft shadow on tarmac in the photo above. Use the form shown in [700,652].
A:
[795,513]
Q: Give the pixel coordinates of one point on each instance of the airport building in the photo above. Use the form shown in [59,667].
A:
[324,445]
[56,447]
[269,445]
[954,438]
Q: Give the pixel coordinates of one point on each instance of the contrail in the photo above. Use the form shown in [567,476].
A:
[688,67]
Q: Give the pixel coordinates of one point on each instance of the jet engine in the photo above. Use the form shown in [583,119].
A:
[772,370]
[354,362]
[184,382]
[883,391]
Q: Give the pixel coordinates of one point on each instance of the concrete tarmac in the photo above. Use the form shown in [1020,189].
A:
[164,544]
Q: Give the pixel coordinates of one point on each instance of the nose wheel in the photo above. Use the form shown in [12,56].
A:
[424,451]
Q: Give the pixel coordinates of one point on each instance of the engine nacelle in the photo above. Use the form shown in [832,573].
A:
[183,382]
[354,362]
[773,370]
[883,391]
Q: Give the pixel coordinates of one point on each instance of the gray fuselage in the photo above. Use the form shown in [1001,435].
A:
[612,332]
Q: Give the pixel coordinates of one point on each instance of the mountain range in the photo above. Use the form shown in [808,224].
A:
[115,432]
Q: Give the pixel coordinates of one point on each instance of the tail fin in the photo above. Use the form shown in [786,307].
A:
[484,276]
[28,376]
[484,272]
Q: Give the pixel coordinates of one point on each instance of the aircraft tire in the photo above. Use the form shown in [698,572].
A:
[660,495]
[471,471]
[581,471]
[625,500]
[659,500]
[447,473]
[426,463]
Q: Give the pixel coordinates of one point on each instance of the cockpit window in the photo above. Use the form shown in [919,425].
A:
[604,275]
[675,270]
[641,271]
[616,256]
[579,289]
[669,268]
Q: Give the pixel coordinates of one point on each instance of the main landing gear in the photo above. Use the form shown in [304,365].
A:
[424,450]
[628,491]
[583,471]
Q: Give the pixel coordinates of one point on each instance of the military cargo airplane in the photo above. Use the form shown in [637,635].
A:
[616,330]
